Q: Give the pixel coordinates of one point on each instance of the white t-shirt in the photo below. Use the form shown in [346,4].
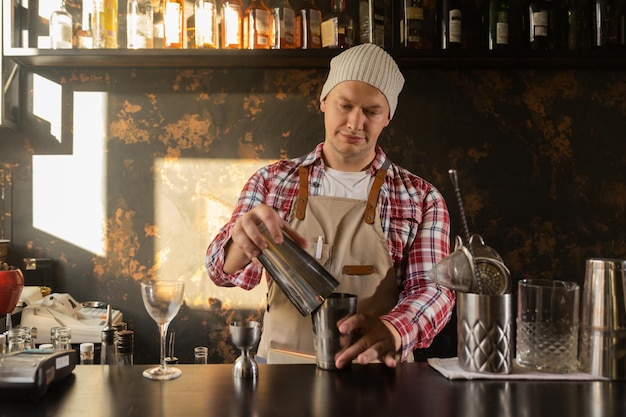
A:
[354,185]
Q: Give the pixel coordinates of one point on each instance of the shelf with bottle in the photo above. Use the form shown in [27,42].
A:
[470,54]
[312,58]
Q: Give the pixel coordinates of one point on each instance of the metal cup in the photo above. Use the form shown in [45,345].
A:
[484,332]
[303,280]
[328,341]
[603,321]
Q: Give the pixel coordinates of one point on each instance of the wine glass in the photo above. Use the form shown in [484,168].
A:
[162,300]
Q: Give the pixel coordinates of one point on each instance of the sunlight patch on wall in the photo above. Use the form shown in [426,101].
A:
[194,198]
[69,191]
[47,103]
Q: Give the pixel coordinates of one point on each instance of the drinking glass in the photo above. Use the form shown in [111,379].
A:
[201,355]
[547,325]
[162,300]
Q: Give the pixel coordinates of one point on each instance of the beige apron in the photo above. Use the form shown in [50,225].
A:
[354,251]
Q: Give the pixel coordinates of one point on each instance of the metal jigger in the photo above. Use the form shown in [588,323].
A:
[245,335]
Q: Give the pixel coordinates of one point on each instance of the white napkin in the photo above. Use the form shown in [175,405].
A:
[450,368]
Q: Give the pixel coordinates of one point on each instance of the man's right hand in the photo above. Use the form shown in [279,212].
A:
[247,241]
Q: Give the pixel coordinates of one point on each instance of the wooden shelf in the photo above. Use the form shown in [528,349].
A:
[412,59]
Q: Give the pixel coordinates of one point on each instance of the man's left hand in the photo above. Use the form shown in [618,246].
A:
[376,339]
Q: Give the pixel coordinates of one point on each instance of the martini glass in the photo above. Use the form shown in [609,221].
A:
[162,300]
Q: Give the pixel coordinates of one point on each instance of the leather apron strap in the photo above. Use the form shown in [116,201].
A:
[372,199]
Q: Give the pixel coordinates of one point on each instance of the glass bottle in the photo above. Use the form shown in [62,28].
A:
[53,336]
[232,24]
[308,26]
[16,338]
[284,18]
[174,24]
[372,22]
[61,28]
[64,338]
[28,339]
[450,24]
[412,24]
[3,344]
[605,24]
[578,24]
[338,27]
[257,26]
[498,24]
[205,12]
[139,24]
[109,335]
[537,24]
[124,347]
[86,353]
[97,24]
[110,24]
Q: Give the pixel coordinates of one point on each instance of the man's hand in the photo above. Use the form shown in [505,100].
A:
[247,241]
[376,339]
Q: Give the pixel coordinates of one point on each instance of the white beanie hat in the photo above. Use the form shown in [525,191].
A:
[370,64]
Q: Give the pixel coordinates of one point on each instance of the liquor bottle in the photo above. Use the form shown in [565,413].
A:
[139,24]
[372,22]
[537,25]
[497,18]
[605,24]
[158,26]
[97,24]
[257,26]
[174,24]
[110,24]
[338,27]
[578,25]
[309,26]
[61,28]
[412,24]
[284,17]
[232,24]
[450,20]
[206,24]
[190,31]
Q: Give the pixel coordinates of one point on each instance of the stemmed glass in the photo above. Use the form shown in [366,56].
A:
[162,300]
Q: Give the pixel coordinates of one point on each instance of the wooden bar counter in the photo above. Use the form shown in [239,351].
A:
[303,390]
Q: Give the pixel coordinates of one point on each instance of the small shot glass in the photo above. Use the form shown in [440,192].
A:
[200,355]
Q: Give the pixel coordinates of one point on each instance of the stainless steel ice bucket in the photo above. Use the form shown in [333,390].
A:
[602,340]
[484,332]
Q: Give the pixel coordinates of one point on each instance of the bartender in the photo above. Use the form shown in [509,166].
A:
[380,228]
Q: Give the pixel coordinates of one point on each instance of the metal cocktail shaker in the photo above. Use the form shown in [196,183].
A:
[303,280]
[603,322]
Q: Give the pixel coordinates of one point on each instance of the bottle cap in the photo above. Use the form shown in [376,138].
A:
[86,347]
[125,341]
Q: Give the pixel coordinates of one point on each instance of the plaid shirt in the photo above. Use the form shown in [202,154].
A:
[414,219]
